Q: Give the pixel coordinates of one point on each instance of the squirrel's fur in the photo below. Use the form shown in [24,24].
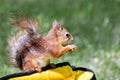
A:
[31,51]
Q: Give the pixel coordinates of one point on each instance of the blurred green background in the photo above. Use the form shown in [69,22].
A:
[95,25]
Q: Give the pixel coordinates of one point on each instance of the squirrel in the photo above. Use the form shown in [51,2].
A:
[31,51]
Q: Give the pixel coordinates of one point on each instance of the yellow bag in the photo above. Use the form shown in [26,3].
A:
[63,71]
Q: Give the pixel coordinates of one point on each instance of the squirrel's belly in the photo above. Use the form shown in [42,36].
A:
[43,61]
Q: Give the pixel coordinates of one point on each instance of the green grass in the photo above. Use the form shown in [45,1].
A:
[94,24]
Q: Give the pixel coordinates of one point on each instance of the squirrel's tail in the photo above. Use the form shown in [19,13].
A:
[17,42]
[29,25]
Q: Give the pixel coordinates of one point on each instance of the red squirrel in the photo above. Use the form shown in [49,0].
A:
[31,51]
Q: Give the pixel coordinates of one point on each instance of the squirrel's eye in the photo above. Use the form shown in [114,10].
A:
[67,35]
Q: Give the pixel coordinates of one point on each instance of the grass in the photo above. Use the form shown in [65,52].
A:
[93,23]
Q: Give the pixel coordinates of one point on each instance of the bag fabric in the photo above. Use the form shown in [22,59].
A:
[62,71]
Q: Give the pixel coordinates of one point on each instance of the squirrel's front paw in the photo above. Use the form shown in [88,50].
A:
[72,47]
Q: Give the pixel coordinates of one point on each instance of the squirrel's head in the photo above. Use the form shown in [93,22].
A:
[61,34]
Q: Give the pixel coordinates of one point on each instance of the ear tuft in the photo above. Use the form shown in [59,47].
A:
[56,24]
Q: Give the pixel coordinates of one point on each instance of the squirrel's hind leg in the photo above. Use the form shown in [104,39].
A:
[30,64]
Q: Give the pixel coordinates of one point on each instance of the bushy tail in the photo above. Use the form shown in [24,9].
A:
[29,25]
[18,41]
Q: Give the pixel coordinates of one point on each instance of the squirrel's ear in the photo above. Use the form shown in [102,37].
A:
[56,24]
